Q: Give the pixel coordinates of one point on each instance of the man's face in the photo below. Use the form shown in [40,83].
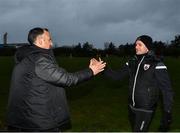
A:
[140,48]
[44,40]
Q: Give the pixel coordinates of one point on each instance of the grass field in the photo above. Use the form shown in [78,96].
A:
[99,104]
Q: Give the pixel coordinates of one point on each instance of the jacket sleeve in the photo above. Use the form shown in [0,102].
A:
[118,74]
[48,70]
[164,84]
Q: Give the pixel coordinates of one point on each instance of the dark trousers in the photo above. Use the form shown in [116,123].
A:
[15,129]
[140,119]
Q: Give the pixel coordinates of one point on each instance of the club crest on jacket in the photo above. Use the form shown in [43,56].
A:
[146,66]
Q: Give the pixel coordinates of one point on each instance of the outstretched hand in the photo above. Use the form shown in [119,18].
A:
[97,66]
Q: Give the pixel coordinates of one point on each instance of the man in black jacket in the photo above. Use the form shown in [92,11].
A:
[147,75]
[37,100]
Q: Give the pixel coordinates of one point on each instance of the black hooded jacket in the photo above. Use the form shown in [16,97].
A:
[147,75]
[37,99]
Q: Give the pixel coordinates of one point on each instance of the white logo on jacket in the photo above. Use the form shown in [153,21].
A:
[146,66]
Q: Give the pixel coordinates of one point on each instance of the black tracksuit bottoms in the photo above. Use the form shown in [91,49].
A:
[140,119]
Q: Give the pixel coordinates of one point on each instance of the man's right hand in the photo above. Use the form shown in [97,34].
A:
[97,66]
[165,122]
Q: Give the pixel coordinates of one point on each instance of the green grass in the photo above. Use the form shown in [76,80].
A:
[99,104]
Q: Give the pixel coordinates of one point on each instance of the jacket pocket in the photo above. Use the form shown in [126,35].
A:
[153,95]
[60,111]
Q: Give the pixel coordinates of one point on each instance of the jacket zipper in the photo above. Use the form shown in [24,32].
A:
[134,85]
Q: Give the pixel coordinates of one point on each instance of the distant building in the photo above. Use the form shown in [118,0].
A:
[5,38]
[10,45]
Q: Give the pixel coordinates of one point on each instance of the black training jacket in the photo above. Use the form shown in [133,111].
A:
[147,75]
[37,99]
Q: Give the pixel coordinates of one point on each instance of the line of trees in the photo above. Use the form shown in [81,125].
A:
[110,48]
[88,50]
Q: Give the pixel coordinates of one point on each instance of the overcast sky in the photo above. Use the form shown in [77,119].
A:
[95,21]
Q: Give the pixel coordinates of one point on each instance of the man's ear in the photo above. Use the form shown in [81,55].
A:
[39,40]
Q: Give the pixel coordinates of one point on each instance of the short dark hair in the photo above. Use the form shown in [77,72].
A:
[33,33]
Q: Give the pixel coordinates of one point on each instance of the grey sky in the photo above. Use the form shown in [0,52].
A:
[95,21]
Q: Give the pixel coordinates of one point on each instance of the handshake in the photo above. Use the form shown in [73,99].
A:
[97,66]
